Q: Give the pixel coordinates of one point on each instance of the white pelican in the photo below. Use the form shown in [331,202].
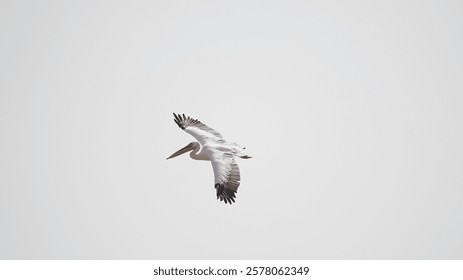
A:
[215,149]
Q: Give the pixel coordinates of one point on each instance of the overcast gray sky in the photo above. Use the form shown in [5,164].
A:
[352,111]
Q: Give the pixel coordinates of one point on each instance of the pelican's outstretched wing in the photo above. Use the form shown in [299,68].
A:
[197,129]
[226,176]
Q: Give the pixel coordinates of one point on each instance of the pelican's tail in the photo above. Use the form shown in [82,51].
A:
[239,151]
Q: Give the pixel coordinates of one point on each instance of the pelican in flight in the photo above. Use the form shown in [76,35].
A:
[219,152]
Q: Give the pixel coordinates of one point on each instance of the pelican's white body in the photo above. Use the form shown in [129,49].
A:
[215,152]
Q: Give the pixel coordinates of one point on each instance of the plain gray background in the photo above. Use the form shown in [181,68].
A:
[351,109]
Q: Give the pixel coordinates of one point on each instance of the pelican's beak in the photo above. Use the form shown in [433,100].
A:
[183,150]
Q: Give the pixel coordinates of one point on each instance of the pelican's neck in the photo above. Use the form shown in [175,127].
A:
[198,156]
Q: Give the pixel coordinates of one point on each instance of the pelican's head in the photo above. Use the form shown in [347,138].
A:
[183,150]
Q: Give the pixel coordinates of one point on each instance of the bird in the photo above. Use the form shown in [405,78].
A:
[214,148]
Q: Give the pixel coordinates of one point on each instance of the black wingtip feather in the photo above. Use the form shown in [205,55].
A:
[178,120]
[220,188]
[226,195]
